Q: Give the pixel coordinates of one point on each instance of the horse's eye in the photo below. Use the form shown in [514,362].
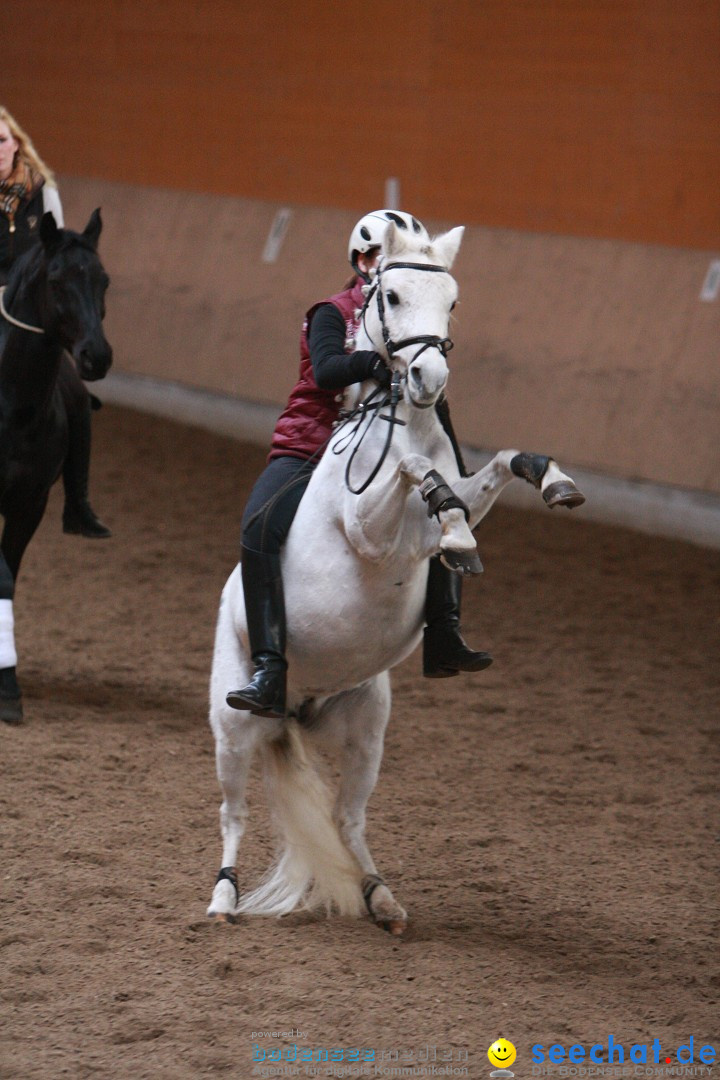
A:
[393,299]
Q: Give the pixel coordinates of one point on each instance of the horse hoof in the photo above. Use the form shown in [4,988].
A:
[462,562]
[222,918]
[394,927]
[563,493]
[11,711]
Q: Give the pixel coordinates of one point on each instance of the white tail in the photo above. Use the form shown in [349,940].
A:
[315,869]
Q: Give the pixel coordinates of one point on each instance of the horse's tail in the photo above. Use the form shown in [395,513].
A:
[315,869]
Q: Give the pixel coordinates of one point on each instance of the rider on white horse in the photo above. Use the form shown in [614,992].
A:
[328,364]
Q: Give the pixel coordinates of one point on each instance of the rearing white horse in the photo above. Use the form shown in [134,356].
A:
[385,497]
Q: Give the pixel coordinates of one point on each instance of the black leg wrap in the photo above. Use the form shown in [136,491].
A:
[369,884]
[227,873]
[439,496]
[530,467]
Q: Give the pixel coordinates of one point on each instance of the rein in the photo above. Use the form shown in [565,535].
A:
[16,322]
[360,411]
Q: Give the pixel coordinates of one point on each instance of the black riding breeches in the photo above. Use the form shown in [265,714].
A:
[273,503]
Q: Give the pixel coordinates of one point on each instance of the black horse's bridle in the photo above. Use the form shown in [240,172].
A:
[371,403]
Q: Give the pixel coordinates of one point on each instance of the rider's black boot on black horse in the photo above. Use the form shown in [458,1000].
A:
[444,651]
[265,611]
[79,518]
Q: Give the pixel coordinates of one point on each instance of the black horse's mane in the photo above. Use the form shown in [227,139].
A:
[29,266]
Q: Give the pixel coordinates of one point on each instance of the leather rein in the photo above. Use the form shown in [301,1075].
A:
[16,322]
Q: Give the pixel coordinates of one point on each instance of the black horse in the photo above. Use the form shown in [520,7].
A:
[54,301]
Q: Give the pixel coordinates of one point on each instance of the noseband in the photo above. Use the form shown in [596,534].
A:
[426,341]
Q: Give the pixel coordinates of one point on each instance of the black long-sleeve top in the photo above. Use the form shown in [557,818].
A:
[333,368]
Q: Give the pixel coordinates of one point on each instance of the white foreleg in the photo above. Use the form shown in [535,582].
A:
[481,489]
[376,520]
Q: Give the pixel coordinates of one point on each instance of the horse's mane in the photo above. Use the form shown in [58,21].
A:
[29,267]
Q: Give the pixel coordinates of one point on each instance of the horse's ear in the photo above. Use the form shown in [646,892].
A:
[448,245]
[49,232]
[93,228]
[394,240]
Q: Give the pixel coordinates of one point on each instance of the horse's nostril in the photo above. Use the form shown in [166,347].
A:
[416,376]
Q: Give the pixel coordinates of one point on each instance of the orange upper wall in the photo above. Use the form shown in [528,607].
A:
[584,117]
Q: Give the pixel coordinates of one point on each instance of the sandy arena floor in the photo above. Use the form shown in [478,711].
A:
[551,825]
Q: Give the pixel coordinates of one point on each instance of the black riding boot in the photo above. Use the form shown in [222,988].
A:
[265,610]
[444,651]
[79,517]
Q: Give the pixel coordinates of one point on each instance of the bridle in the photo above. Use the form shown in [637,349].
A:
[373,403]
[426,341]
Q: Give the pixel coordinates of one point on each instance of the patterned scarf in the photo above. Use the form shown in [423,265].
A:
[20,184]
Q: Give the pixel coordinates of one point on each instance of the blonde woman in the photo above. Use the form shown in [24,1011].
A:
[27,191]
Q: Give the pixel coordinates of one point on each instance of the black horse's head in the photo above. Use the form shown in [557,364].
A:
[75,293]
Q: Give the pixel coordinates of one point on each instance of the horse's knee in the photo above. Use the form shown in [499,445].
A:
[413,468]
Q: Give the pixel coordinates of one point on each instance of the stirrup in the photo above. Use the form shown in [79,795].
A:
[264,695]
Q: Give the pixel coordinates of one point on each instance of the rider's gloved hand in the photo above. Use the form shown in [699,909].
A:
[380,372]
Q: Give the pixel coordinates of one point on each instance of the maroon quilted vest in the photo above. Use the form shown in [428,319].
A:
[307,420]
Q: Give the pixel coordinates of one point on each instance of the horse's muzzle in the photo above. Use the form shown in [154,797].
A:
[426,382]
[93,361]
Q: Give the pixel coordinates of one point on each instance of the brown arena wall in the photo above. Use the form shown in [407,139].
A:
[583,117]
[579,141]
[598,351]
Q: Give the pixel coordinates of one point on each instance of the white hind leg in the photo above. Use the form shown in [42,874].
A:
[233,757]
[357,722]
[315,870]
[236,737]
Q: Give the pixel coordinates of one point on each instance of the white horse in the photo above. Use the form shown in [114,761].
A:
[355,568]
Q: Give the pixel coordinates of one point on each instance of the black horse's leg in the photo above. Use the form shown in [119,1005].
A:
[20,526]
[11,710]
[19,529]
[78,516]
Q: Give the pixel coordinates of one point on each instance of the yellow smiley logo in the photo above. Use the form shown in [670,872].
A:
[502,1053]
